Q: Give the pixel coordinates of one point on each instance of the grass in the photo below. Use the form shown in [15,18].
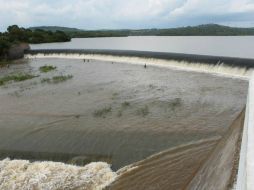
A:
[56,79]
[102,112]
[143,111]
[16,78]
[61,78]
[47,68]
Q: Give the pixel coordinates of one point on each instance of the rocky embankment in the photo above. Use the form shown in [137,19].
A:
[17,51]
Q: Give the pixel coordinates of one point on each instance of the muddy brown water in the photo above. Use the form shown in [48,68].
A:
[114,112]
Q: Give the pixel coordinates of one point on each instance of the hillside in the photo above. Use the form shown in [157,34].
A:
[55,28]
[201,30]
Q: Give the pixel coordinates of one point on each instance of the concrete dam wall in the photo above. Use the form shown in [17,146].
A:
[205,59]
[226,66]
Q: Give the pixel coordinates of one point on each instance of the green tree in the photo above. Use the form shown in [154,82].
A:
[4,47]
[17,34]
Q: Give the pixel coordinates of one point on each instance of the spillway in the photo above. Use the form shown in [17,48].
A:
[171,125]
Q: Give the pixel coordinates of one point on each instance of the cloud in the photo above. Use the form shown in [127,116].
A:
[97,14]
[227,12]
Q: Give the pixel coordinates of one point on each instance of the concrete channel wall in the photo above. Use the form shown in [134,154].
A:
[218,172]
[245,177]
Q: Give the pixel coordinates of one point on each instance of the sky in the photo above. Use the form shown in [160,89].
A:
[123,14]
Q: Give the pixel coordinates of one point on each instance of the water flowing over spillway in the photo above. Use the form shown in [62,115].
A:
[153,125]
[220,68]
[21,174]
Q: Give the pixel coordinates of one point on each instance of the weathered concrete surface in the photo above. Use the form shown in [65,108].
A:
[218,172]
[245,175]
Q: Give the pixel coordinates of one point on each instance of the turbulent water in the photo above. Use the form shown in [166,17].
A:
[116,113]
[21,174]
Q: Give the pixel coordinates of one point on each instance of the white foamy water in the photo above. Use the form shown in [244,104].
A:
[218,69]
[25,175]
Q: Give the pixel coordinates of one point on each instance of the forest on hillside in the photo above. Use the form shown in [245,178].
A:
[201,30]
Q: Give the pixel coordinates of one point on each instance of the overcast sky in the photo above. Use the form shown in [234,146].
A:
[116,14]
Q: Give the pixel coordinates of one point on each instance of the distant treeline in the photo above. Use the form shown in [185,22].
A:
[16,35]
[201,30]
[99,33]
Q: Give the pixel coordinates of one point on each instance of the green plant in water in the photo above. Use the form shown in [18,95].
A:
[47,68]
[61,78]
[143,111]
[114,95]
[175,103]
[125,104]
[102,112]
[16,78]
[56,79]
[45,80]
[119,114]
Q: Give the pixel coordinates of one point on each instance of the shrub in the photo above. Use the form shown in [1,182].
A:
[47,68]
[56,79]
[16,78]
[61,78]
[125,104]
[102,112]
[143,111]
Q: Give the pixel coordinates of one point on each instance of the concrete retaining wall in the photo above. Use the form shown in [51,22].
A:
[245,179]
[218,172]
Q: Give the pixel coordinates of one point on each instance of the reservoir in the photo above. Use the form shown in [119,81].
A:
[229,46]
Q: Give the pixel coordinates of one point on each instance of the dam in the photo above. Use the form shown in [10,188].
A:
[180,123]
